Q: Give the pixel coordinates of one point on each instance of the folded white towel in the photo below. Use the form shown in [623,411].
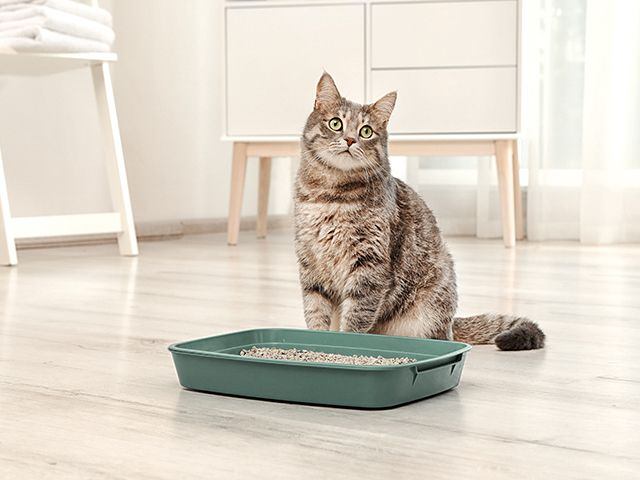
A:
[38,39]
[57,21]
[99,15]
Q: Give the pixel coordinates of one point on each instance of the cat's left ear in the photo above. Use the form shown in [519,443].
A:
[381,110]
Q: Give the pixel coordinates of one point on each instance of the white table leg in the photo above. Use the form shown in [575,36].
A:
[8,254]
[114,157]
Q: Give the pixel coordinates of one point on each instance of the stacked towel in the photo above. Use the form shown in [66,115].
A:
[57,26]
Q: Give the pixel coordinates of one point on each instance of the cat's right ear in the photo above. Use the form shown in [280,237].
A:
[327,94]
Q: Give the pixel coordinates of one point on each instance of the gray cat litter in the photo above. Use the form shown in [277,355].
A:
[322,357]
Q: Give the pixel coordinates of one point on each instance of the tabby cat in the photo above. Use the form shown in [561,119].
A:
[370,253]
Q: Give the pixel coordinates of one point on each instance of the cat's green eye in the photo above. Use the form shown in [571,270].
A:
[366,131]
[335,124]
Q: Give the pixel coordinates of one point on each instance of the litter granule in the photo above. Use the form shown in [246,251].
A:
[310,356]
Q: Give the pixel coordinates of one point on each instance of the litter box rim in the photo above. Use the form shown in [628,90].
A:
[417,366]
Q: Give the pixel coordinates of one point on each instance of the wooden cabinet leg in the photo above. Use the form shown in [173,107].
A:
[238,173]
[517,193]
[504,161]
[8,254]
[263,196]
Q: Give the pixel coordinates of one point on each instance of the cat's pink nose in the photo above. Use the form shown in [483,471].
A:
[350,141]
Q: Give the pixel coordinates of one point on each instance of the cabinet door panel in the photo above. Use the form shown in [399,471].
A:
[444,34]
[275,56]
[458,100]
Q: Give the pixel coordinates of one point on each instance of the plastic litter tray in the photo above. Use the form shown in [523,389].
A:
[214,365]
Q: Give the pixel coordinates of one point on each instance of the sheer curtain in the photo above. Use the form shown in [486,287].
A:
[580,153]
[584,161]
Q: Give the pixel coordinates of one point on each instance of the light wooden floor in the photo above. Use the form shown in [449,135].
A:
[88,390]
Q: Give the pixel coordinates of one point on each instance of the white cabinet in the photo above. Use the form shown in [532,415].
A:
[275,57]
[454,63]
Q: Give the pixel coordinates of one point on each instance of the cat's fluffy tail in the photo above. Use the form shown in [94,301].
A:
[506,331]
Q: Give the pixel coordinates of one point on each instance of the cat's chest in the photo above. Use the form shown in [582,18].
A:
[329,227]
[330,236]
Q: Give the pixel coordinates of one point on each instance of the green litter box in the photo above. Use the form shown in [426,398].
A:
[214,364]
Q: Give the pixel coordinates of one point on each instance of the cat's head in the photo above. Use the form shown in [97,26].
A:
[346,135]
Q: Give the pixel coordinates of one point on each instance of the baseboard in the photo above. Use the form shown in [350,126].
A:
[155,231]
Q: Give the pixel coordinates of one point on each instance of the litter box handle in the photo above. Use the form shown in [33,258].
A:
[417,371]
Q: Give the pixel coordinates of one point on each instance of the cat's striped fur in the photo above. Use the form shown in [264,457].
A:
[370,254]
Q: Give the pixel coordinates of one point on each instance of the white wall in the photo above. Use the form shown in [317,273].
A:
[50,145]
[167,85]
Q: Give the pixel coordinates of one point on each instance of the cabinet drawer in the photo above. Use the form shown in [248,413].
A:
[275,57]
[444,34]
[457,100]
